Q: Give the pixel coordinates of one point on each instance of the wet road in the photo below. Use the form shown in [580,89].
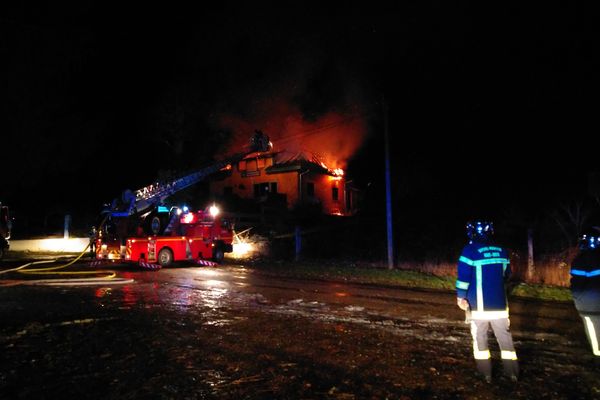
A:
[234,333]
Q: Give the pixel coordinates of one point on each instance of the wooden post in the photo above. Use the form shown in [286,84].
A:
[530,263]
[67,226]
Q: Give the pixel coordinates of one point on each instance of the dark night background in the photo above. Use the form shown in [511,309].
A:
[491,110]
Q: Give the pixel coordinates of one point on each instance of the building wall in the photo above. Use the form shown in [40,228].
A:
[247,174]
[243,186]
[323,192]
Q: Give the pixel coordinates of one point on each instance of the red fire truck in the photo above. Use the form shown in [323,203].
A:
[201,235]
[139,227]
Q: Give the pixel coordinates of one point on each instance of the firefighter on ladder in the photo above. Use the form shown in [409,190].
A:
[585,288]
[482,270]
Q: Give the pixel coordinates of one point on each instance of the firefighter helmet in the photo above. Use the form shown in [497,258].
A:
[479,230]
[590,240]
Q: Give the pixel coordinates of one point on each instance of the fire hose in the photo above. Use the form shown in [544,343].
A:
[109,277]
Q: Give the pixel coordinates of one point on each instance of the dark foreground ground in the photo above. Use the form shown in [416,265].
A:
[234,333]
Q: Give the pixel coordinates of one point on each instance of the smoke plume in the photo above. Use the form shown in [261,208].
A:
[333,137]
[307,102]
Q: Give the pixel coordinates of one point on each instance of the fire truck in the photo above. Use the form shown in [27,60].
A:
[195,236]
[5,226]
[139,227]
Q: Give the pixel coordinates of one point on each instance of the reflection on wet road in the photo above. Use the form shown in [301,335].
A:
[230,332]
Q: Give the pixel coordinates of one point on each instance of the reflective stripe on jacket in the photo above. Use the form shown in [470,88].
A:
[585,281]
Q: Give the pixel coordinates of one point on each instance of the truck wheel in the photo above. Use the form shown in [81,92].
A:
[3,246]
[218,255]
[155,225]
[165,257]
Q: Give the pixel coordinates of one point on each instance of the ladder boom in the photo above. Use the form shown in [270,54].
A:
[149,196]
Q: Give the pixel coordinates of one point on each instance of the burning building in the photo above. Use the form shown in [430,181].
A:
[295,175]
[288,179]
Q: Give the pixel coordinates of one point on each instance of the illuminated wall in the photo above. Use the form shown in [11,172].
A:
[307,188]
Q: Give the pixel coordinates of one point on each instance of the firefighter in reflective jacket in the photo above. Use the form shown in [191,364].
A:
[585,287]
[482,271]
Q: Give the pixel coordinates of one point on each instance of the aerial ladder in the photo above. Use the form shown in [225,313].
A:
[143,214]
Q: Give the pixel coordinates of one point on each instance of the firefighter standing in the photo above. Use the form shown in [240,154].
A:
[585,288]
[482,270]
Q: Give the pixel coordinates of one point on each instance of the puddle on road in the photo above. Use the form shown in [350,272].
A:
[240,341]
[213,299]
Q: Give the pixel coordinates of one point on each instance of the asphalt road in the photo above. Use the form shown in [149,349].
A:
[234,333]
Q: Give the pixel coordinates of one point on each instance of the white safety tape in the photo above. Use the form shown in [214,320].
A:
[152,267]
[206,262]
[97,263]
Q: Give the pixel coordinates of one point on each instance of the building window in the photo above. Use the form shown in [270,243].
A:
[335,193]
[310,189]
[261,189]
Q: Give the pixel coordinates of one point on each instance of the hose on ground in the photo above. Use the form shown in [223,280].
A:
[109,277]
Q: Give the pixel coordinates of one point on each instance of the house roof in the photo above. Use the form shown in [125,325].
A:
[287,161]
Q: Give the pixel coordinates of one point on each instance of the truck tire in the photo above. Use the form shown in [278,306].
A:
[218,254]
[156,225]
[3,247]
[165,257]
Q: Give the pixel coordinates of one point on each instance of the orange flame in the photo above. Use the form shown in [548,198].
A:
[334,137]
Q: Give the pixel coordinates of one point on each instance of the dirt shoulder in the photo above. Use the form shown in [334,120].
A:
[363,273]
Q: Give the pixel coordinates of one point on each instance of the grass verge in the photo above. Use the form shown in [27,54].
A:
[541,292]
[366,273]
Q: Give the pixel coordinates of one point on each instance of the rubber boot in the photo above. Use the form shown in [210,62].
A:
[485,368]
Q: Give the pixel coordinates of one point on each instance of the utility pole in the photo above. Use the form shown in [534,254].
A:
[298,243]
[388,189]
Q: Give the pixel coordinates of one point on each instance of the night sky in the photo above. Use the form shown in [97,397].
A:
[491,110]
